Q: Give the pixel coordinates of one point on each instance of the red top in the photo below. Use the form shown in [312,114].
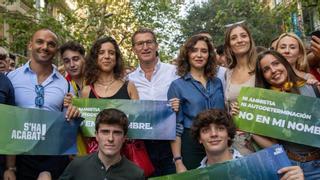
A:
[315,72]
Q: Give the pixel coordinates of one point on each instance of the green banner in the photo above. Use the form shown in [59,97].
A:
[36,132]
[148,119]
[279,115]
[261,165]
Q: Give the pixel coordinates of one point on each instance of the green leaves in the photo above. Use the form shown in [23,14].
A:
[215,14]
[162,16]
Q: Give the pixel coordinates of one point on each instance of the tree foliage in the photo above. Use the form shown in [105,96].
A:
[312,3]
[23,25]
[93,19]
[311,8]
[89,21]
[162,16]
[214,15]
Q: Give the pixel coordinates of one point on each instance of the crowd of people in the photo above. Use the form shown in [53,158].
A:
[202,88]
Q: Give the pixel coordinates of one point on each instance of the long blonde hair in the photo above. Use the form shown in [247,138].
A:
[301,63]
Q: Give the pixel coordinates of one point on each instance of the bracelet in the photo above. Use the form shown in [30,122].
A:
[176,159]
[14,169]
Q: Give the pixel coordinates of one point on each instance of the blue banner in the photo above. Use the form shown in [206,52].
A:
[262,165]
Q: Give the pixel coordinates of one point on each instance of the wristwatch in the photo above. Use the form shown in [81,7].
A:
[176,159]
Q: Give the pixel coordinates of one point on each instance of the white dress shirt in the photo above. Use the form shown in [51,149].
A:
[157,88]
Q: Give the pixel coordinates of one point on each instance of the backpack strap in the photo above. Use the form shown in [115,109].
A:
[68,86]
[68,92]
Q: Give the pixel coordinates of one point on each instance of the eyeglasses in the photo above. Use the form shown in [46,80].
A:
[148,43]
[39,100]
[3,57]
[234,24]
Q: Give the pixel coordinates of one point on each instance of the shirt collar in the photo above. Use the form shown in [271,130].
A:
[156,68]
[235,155]
[188,76]
[119,163]
[203,163]
[27,68]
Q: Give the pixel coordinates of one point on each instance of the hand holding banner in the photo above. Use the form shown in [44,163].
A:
[36,132]
[148,119]
[284,116]
[262,165]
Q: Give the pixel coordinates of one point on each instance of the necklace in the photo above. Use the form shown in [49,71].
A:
[106,86]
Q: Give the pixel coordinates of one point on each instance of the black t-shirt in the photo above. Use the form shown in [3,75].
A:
[90,167]
[6,97]
[6,91]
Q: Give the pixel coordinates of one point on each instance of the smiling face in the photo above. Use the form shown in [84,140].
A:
[239,41]
[107,57]
[145,47]
[198,55]
[289,48]
[273,70]
[4,63]
[73,63]
[43,46]
[214,138]
[110,138]
[12,64]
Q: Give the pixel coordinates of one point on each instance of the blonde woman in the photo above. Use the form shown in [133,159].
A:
[292,48]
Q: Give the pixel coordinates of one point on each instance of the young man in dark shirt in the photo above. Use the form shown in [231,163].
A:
[111,129]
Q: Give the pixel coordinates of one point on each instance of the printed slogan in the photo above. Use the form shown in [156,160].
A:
[284,116]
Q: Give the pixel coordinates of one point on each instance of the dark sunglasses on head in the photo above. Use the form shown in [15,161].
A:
[39,100]
[3,57]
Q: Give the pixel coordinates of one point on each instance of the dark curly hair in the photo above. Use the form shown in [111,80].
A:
[215,116]
[262,82]
[92,71]
[183,67]
[112,116]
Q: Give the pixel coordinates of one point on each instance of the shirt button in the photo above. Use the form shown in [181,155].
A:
[102,167]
